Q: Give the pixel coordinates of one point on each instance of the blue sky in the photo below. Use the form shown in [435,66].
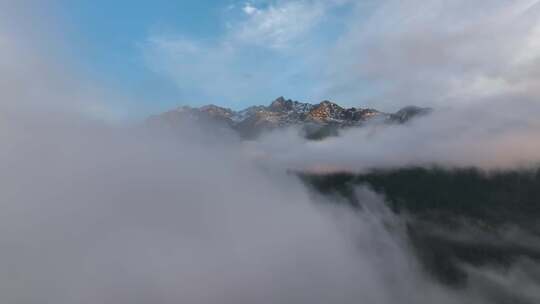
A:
[385,54]
[107,37]
[136,47]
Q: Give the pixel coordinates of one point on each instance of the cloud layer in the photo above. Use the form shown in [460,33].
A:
[491,135]
[92,213]
[440,52]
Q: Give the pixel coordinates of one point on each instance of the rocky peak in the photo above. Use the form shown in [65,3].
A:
[283,112]
[184,109]
[282,105]
[214,110]
[325,111]
[407,113]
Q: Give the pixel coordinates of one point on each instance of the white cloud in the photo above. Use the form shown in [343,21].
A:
[283,24]
[249,9]
[32,81]
[387,54]
[255,60]
[438,52]
[96,214]
[277,26]
[490,134]
[215,73]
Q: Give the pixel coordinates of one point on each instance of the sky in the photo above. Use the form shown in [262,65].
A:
[385,54]
[162,54]
[123,214]
[108,39]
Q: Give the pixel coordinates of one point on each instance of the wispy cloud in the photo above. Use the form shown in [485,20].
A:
[32,82]
[249,9]
[278,26]
[386,54]
[439,52]
[264,49]
[96,214]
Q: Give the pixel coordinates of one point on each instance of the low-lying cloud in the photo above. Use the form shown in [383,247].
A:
[119,214]
[495,134]
[100,214]
[91,212]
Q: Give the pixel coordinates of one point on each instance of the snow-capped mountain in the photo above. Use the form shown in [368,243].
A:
[318,120]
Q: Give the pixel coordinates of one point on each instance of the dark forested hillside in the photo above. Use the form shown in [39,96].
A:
[454,217]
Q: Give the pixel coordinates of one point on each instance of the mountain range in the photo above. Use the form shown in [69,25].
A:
[317,120]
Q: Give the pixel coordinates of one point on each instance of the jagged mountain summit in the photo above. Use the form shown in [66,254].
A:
[317,120]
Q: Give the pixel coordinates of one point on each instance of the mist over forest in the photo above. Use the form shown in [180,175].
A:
[408,172]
